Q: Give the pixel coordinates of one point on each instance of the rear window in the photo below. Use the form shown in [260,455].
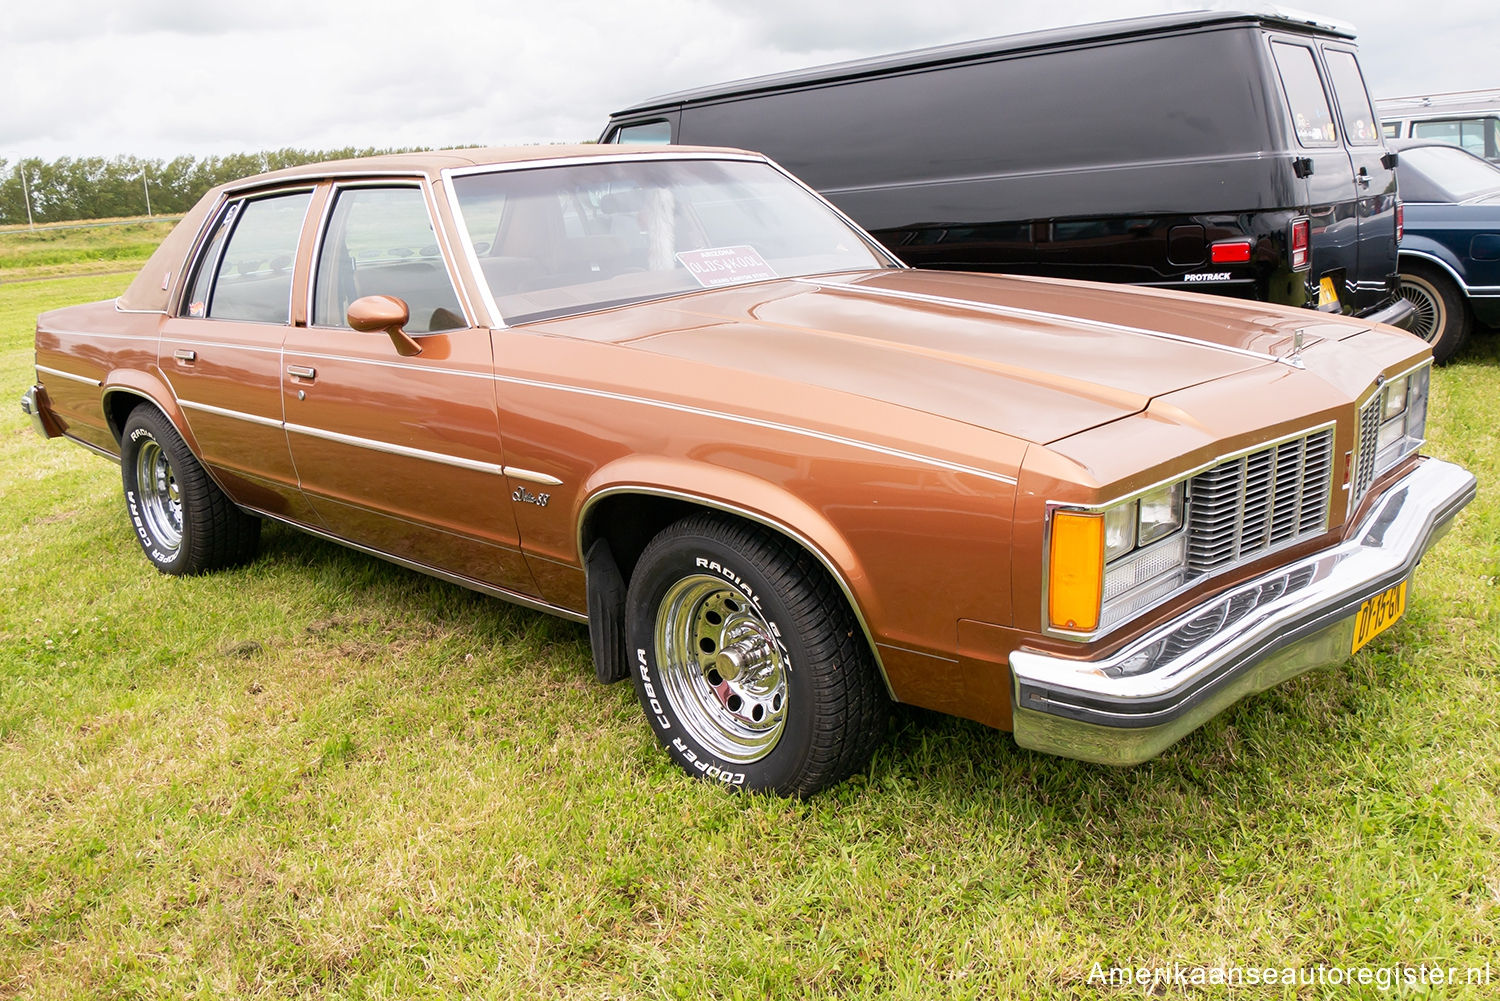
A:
[1311,117]
[1360,125]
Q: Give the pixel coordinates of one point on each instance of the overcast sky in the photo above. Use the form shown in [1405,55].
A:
[157,78]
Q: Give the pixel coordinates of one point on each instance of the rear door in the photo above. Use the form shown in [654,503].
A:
[1333,203]
[1371,283]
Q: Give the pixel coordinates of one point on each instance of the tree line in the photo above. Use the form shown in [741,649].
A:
[96,187]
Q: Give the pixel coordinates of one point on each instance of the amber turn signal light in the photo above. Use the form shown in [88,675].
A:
[1075,580]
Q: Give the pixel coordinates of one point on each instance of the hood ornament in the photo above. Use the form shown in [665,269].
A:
[1295,358]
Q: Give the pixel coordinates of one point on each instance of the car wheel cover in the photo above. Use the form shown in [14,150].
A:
[722,668]
[1431,315]
[160,496]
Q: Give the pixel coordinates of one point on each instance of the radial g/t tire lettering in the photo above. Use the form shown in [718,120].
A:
[748,661]
[182,520]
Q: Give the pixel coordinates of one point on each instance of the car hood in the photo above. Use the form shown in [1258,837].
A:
[1035,358]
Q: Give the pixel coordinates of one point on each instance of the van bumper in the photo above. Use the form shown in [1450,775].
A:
[1397,313]
[1130,706]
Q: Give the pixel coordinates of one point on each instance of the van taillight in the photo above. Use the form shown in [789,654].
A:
[1400,221]
[1301,238]
[1230,252]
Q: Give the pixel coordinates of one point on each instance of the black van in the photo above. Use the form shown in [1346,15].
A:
[1216,151]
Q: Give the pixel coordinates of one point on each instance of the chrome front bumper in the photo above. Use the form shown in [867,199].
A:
[1132,705]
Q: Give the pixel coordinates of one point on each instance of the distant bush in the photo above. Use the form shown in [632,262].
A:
[95,187]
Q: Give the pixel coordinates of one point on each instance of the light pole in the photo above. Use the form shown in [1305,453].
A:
[147,188]
[26,194]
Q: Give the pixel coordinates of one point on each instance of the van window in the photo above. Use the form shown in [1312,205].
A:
[1354,101]
[657,133]
[1392,130]
[1304,94]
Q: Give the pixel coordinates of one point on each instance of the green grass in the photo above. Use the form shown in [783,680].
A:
[325,776]
[116,245]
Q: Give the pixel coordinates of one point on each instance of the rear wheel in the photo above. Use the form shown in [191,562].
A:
[182,520]
[748,661]
[1442,313]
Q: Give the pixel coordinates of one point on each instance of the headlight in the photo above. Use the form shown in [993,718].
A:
[1119,530]
[1403,418]
[1161,512]
[1105,566]
[1394,400]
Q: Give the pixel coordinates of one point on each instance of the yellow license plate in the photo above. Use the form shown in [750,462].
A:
[1378,614]
[1327,294]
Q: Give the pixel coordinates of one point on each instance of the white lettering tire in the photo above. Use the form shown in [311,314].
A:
[748,661]
[182,520]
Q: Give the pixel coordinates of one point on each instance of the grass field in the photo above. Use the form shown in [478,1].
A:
[101,246]
[325,776]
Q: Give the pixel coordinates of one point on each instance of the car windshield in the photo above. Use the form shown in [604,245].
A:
[552,241]
[1461,175]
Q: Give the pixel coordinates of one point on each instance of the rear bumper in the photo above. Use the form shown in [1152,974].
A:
[33,404]
[1397,313]
[1132,705]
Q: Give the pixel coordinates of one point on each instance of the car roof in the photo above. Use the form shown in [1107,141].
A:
[1457,104]
[432,163]
[980,48]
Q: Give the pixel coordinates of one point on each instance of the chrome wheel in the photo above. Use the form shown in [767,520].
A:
[721,668]
[1431,314]
[160,496]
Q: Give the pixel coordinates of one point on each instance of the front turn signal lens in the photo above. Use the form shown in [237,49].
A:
[1075,579]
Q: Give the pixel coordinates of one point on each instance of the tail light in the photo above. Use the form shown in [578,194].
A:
[1230,252]
[1301,240]
[1400,221]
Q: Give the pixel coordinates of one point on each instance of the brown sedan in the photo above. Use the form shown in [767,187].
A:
[783,478]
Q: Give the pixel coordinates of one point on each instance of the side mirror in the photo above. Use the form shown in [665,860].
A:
[387,313]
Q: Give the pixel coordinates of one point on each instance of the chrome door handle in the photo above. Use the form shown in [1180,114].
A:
[302,371]
[185,355]
[1363,177]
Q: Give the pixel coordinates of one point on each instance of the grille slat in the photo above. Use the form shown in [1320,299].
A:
[1247,506]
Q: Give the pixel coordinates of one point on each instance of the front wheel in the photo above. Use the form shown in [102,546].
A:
[182,520]
[748,661]
[1442,314]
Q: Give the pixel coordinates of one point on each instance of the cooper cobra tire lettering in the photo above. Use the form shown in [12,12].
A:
[749,665]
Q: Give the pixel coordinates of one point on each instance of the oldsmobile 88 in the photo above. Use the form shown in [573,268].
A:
[785,479]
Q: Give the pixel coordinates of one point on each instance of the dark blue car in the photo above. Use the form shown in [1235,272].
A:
[1450,255]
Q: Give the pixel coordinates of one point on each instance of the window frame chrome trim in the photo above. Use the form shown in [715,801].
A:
[177,306]
[429,202]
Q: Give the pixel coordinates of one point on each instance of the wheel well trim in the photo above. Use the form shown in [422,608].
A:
[169,411]
[1432,258]
[766,521]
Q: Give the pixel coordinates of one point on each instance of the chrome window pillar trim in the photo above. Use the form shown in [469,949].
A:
[390,448]
[391,181]
[1033,314]
[768,425]
[760,519]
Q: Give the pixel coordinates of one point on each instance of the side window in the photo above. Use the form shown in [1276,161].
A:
[253,280]
[1354,101]
[1392,130]
[1304,94]
[380,241]
[1465,132]
[658,133]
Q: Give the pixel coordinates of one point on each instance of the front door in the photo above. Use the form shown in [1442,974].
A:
[399,453]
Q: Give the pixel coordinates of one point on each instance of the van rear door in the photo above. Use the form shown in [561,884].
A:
[1323,163]
[1375,179]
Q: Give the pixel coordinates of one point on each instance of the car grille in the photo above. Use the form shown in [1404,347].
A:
[1248,506]
[1369,441]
